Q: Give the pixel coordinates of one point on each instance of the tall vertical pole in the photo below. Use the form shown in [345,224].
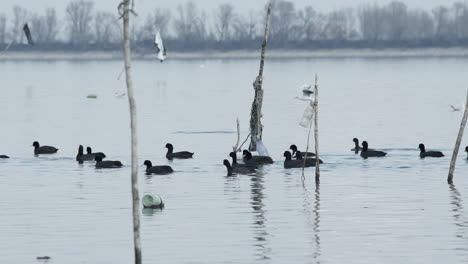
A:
[458,142]
[256,111]
[317,157]
[125,5]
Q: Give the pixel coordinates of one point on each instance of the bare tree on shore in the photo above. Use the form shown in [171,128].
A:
[283,18]
[223,21]
[79,16]
[442,22]
[20,16]
[106,28]
[370,22]
[244,28]
[3,22]
[190,23]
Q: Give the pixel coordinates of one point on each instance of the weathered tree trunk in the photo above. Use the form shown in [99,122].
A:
[457,143]
[317,157]
[131,100]
[256,111]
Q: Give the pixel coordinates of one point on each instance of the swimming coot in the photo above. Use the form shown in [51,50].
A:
[107,164]
[294,150]
[289,163]
[80,157]
[177,155]
[256,160]
[4,157]
[356,148]
[424,153]
[161,170]
[367,153]
[233,155]
[43,149]
[89,152]
[466,150]
[300,156]
[232,170]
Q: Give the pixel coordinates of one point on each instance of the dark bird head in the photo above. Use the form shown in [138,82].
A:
[98,158]
[244,152]
[169,146]
[248,156]
[89,150]
[355,140]
[226,163]
[466,149]
[233,155]
[35,144]
[287,155]
[80,150]
[365,146]
[422,147]
[293,148]
[148,164]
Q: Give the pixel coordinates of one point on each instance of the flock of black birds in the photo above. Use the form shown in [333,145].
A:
[293,159]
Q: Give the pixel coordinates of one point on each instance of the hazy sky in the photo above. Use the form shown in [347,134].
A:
[142,6]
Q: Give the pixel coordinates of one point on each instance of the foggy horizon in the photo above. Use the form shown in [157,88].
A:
[143,7]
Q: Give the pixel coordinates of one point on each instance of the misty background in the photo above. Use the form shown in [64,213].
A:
[219,25]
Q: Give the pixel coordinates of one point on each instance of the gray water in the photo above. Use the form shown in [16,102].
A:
[397,209]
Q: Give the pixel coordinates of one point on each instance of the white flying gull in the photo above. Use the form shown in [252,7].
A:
[160,47]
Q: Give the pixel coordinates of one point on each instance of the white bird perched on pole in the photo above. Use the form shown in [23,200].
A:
[160,47]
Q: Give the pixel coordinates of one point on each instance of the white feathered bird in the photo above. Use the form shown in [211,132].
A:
[160,47]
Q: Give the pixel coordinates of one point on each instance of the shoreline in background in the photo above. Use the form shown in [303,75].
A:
[242,54]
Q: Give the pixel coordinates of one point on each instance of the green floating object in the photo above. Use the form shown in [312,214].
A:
[92,96]
[152,201]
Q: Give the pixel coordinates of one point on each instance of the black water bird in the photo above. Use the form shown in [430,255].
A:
[177,155]
[160,170]
[232,170]
[299,156]
[424,153]
[466,150]
[107,164]
[233,155]
[367,153]
[256,160]
[90,152]
[4,157]
[356,148]
[294,150]
[43,149]
[290,163]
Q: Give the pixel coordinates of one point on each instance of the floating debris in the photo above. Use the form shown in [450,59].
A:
[92,96]
[152,201]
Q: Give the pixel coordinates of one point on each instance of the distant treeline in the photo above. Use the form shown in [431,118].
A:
[189,28]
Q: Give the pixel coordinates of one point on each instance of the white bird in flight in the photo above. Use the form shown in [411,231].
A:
[158,43]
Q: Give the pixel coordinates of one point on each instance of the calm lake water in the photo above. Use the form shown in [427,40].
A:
[397,209]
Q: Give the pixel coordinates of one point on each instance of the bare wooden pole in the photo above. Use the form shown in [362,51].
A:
[317,157]
[256,111]
[124,9]
[457,143]
[235,147]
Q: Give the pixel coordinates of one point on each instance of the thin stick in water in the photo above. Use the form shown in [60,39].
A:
[458,142]
[124,9]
